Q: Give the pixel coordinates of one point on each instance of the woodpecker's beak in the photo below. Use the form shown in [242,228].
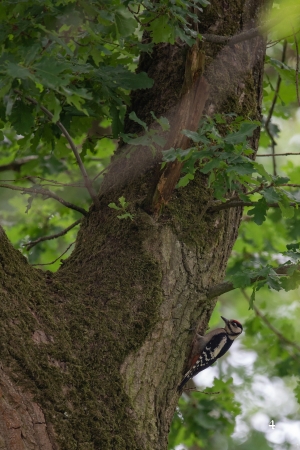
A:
[225,320]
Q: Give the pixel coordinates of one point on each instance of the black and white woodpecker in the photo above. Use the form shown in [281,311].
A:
[210,347]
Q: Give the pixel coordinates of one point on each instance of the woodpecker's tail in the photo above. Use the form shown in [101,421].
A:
[180,386]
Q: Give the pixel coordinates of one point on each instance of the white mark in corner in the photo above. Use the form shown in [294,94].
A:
[272,424]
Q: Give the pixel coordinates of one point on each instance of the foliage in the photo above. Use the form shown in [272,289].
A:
[224,158]
[204,418]
[122,208]
[77,60]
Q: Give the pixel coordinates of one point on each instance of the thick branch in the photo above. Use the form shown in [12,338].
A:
[86,179]
[45,193]
[228,286]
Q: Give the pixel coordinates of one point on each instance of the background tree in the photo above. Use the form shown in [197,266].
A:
[92,352]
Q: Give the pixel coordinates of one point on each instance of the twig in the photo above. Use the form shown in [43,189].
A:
[100,173]
[297,69]
[48,264]
[31,244]
[235,201]
[236,198]
[272,43]
[45,193]
[86,179]
[277,154]
[240,203]
[50,182]
[269,325]
[227,286]
[201,392]
[269,117]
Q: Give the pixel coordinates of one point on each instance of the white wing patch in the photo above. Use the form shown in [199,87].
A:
[207,356]
[216,351]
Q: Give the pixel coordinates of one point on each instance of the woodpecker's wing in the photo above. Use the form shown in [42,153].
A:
[214,349]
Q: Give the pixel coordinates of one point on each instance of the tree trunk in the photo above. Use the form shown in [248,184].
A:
[91,356]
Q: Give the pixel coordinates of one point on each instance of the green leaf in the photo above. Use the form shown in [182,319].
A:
[126,216]
[213,164]
[133,81]
[163,121]
[184,181]
[53,104]
[161,30]
[262,171]
[291,282]
[50,72]
[271,195]
[135,118]
[274,282]
[259,212]
[117,124]
[241,279]
[277,180]
[286,210]
[193,135]
[125,23]
[123,202]
[17,71]
[22,117]
[295,246]
[114,206]
[245,131]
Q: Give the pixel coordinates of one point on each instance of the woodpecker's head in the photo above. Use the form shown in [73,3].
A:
[233,328]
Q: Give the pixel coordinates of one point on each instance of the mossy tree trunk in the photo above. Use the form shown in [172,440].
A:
[91,355]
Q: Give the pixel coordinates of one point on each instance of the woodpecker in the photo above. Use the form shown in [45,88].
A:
[210,347]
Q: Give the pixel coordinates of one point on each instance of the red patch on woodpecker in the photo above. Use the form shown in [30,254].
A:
[237,322]
[194,360]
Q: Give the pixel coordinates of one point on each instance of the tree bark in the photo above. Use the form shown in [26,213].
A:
[92,355]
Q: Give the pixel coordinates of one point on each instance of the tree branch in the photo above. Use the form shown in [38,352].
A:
[49,182]
[268,120]
[228,286]
[280,336]
[297,69]
[52,262]
[249,34]
[240,203]
[86,179]
[45,193]
[17,163]
[31,244]
[277,154]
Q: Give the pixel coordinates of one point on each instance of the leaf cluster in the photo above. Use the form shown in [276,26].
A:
[202,418]
[122,208]
[224,158]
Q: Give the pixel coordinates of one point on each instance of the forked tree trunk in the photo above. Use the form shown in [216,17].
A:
[91,356]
